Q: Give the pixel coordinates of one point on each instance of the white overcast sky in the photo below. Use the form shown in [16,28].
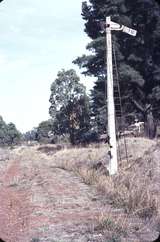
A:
[37,39]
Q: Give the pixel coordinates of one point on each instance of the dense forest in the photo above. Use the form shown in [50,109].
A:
[77,117]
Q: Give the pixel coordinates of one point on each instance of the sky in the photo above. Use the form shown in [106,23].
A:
[37,39]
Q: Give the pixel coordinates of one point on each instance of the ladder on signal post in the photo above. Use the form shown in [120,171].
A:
[117,100]
[118,111]
[110,26]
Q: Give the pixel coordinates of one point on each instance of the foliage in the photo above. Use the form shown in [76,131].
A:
[98,106]
[9,135]
[13,134]
[158,1]
[69,106]
[44,131]
[30,135]
[137,58]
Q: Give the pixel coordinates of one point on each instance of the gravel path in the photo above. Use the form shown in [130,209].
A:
[43,203]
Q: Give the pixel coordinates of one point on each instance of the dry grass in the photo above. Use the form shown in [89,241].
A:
[113,224]
[131,188]
[134,190]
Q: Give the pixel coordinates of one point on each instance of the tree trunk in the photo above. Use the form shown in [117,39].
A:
[149,123]
[72,131]
[150,128]
[72,138]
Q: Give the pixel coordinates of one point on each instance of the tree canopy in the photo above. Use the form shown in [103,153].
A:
[44,131]
[9,135]
[137,58]
[69,105]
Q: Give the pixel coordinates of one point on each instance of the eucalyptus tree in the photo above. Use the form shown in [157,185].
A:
[69,105]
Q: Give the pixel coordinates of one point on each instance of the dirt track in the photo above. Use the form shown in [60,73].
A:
[41,203]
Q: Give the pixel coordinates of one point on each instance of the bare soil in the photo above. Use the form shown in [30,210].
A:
[40,201]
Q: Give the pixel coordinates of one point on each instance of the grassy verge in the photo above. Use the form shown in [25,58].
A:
[134,191]
[130,189]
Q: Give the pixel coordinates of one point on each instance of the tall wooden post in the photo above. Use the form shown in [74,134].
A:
[113,166]
[110,25]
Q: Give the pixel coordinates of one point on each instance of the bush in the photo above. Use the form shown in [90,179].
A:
[90,136]
[9,135]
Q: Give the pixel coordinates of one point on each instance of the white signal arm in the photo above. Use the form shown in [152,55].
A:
[118,27]
[129,31]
